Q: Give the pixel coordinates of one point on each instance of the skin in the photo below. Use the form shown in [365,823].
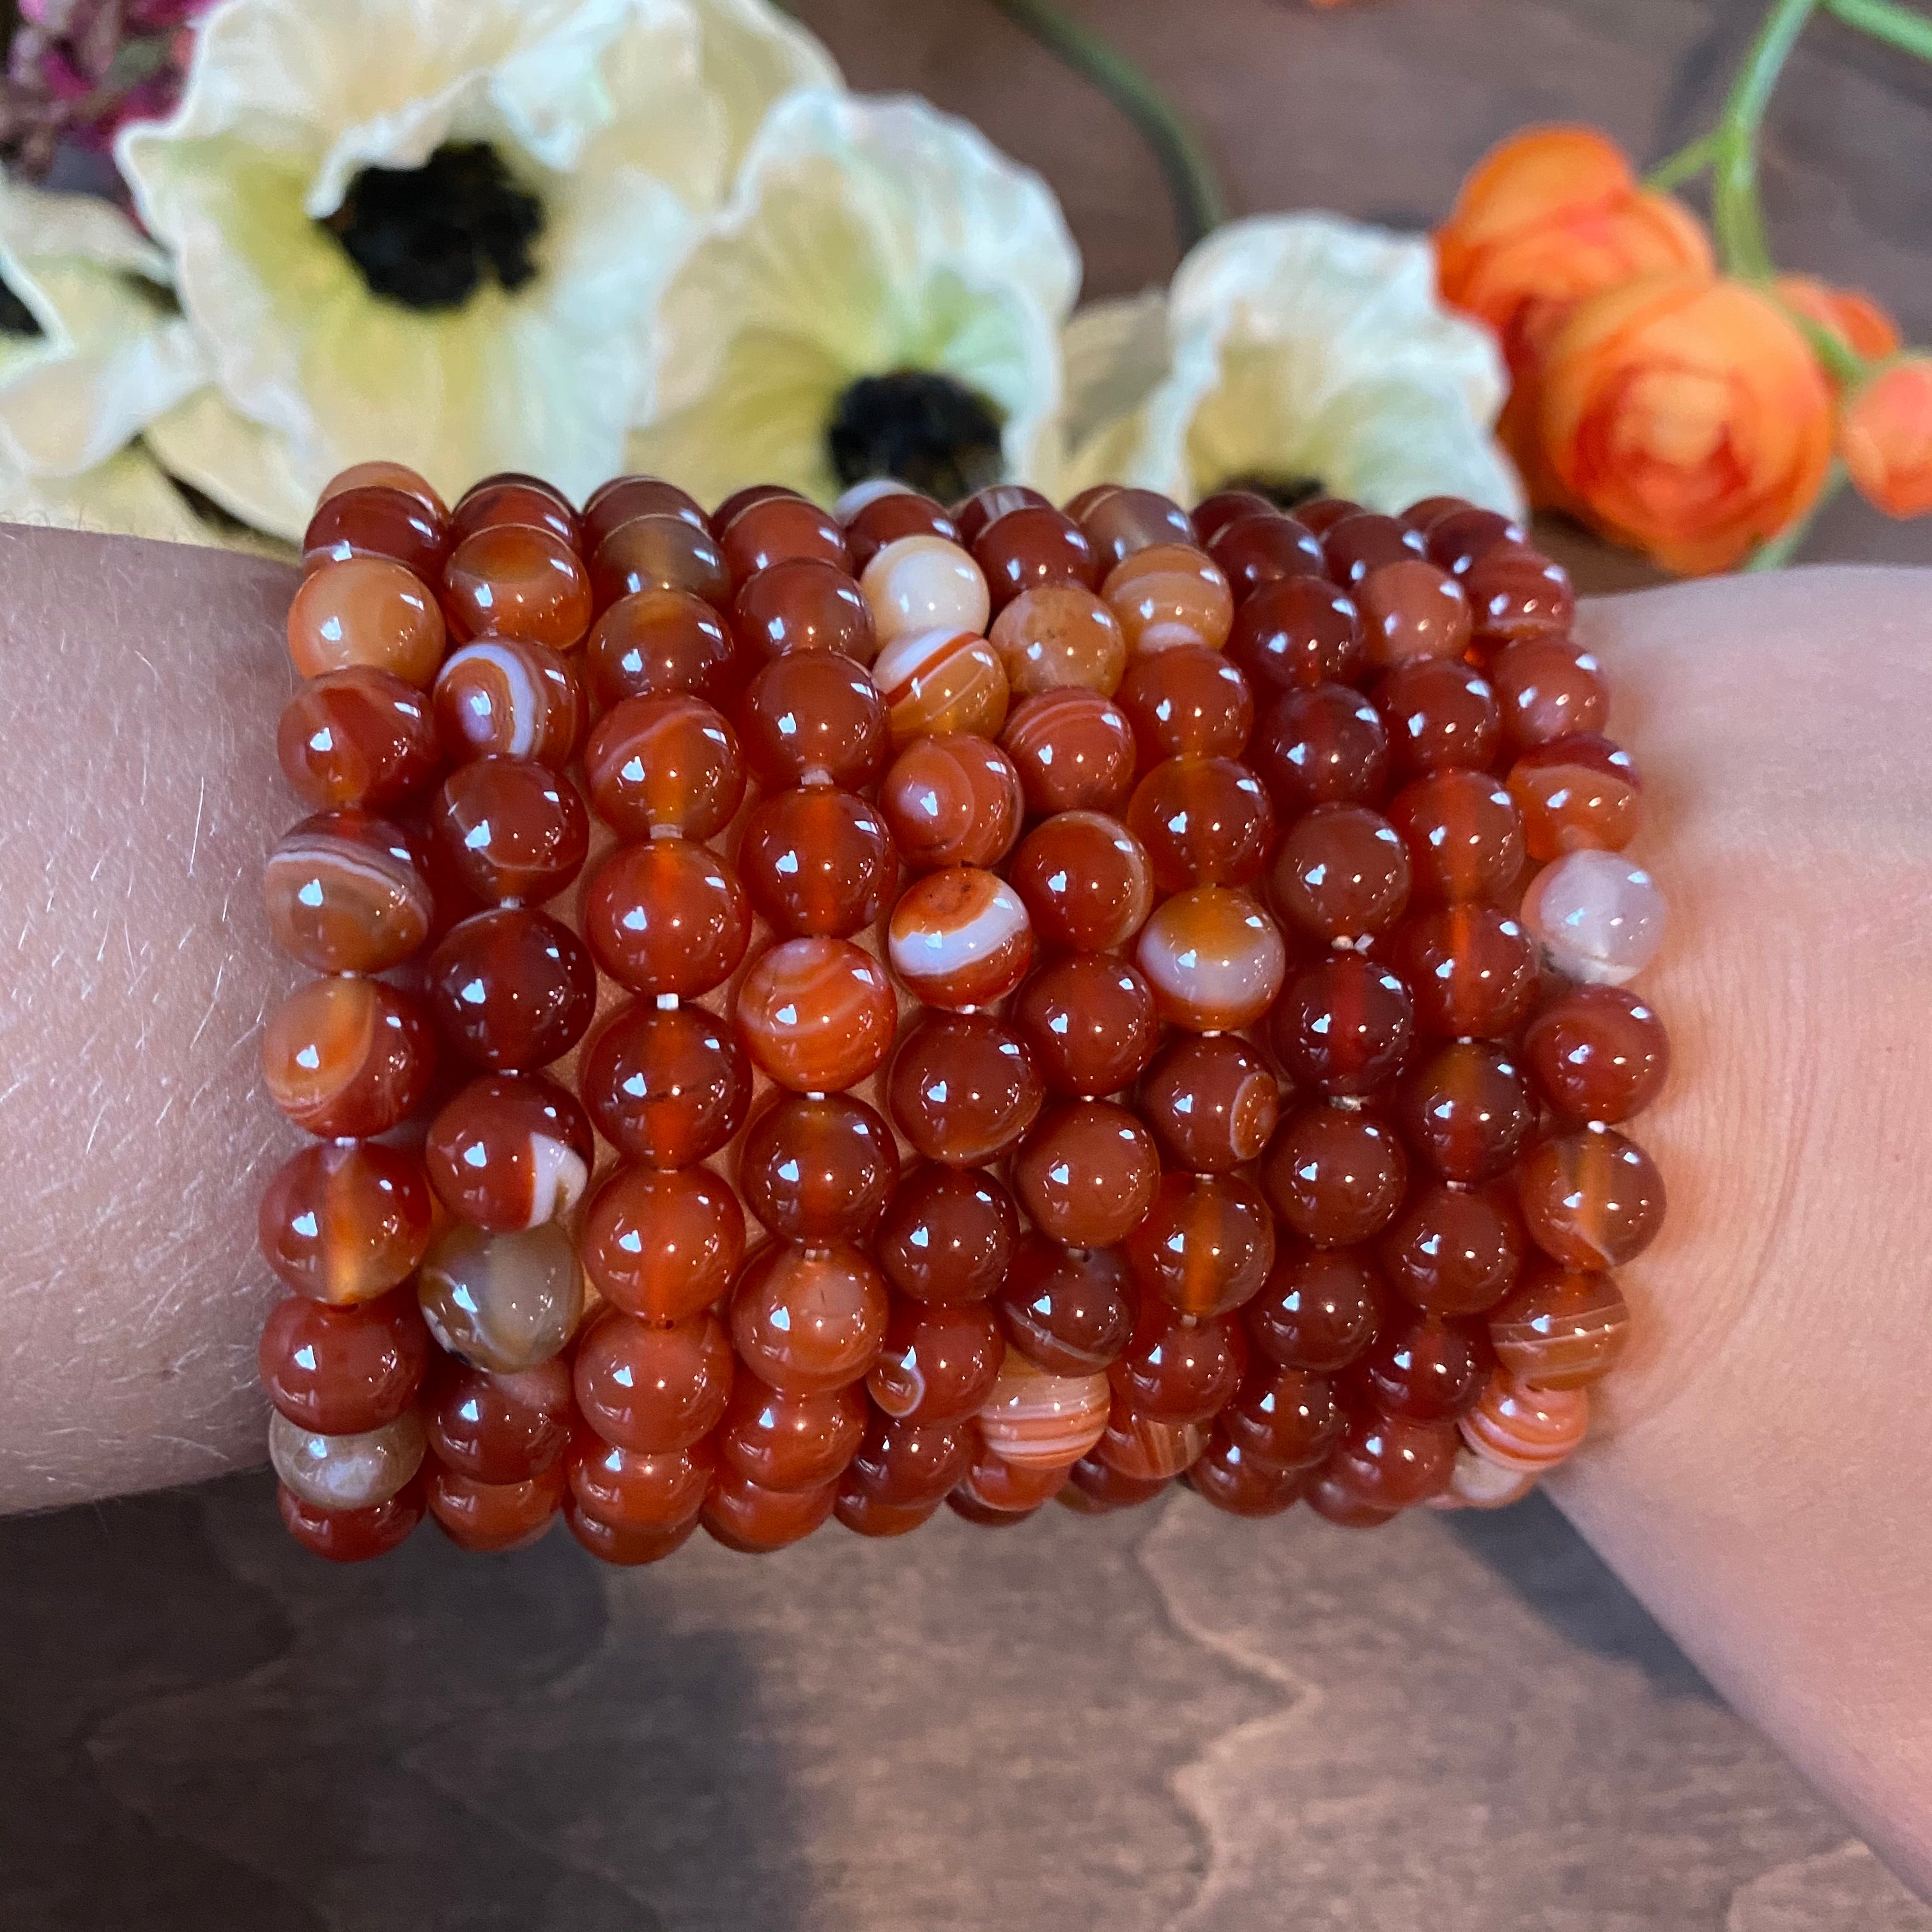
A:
[1753,1475]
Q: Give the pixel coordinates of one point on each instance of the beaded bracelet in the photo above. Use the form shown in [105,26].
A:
[1053,1007]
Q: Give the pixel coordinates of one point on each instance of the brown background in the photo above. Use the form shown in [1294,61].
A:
[1154,1721]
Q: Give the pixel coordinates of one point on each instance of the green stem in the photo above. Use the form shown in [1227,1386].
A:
[1687,164]
[1842,362]
[1199,205]
[1777,551]
[1734,212]
[1897,26]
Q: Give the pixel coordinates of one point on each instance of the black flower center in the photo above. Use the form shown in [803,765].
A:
[428,237]
[1283,492]
[919,427]
[16,317]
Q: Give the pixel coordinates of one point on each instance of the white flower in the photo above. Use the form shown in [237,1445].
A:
[1291,348]
[127,495]
[574,144]
[867,238]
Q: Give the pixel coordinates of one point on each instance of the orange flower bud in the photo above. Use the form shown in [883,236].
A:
[1686,417]
[1886,438]
[1850,314]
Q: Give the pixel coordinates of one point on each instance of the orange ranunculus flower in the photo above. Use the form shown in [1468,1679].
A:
[1850,314]
[1686,417]
[1886,438]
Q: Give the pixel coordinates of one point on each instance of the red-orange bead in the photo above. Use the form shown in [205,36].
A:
[1288,1418]
[1226,1476]
[352,1536]
[900,513]
[789,1440]
[1086,1173]
[387,476]
[1202,822]
[1592,1200]
[1321,745]
[663,764]
[626,1548]
[1068,1311]
[1336,1175]
[1363,541]
[1466,1110]
[1057,635]
[657,552]
[1262,549]
[345,893]
[377,520]
[1189,702]
[1031,545]
[1558,1330]
[1214,958]
[765,535]
[817,1170]
[1147,1448]
[1453,1251]
[1210,1103]
[499,1428]
[1089,1022]
[499,697]
[953,800]
[1386,1461]
[1341,872]
[817,1015]
[512,989]
[947,1234]
[359,737]
[1119,523]
[1457,538]
[814,716]
[347,1059]
[900,1462]
[1297,634]
[666,917]
[937,1364]
[514,581]
[1425,1368]
[617,501]
[366,610]
[1205,1245]
[486,1518]
[964,1089]
[510,1151]
[1411,611]
[1085,879]
[1470,968]
[1170,594]
[1516,591]
[1463,833]
[1547,689]
[1095,1488]
[1598,1053]
[1176,1369]
[807,1319]
[654,643]
[342,1370]
[1320,515]
[817,860]
[804,603]
[735,506]
[666,1086]
[632,1491]
[1320,1309]
[1576,794]
[1073,749]
[949,679]
[1438,712]
[1221,509]
[960,937]
[511,830]
[752,1520]
[1343,1025]
[346,1222]
[511,497]
[662,1244]
[653,1388]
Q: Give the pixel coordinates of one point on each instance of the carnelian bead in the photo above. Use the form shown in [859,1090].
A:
[947,1234]
[1256,551]
[1085,881]
[499,697]
[657,552]
[1205,1245]
[1320,514]
[1425,1368]
[487,1518]
[1189,702]
[803,603]
[1288,1418]
[1591,1200]
[1298,634]
[513,580]
[1068,1310]
[1437,712]
[1073,749]
[1463,833]
[817,1015]
[1453,1251]
[360,737]
[512,831]
[1411,612]
[905,1464]
[511,498]
[1558,1330]
[814,717]
[1319,1310]
[953,800]
[1031,545]
[1547,689]
[816,859]
[1210,1103]
[1388,1461]
[1146,1448]
[1202,822]
[630,1490]
[1336,1174]
[806,1319]
[341,1371]
[653,1387]
[937,1364]
[752,1520]
[1214,958]
[1470,968]
[1086,1173]
[668,1087]
[617,501]
[346,1472]
[367,611]
[666,917]
[1089,1021]
[1217,511]
[1341,872]
[1515,593]
[501,1301]
[510,1151]
[789,1440]
[896,514]
[779,530]
[1524,1429]
[1466,1110]
[1423,514]
[1343,1025]
[628,1548]
[664,764]
[385,475]
[662,1244]
[347,1059]
[941,680]
[1057,635]
[1119,523]
[1575,793]
[817,1170]
[352,1536]
[1033,1427]
[346,1222]
[866,1516]
[964,1088]
[1334,1502]
[1322,744]
[960,937]
[499,1428]
[996,1492]
[976,514]
[656,642]
[1598,1054]
[735,506]
[1363,541]
[1456,540]
[1095,1488]
[345,893]
[1225,1475]
[1170,594]
[1175,1369]
[512,989]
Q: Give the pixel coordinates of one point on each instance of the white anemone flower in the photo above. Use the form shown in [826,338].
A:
[884,295]
[1290,350]
[426,230]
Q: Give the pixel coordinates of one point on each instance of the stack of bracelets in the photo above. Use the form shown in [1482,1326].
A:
[1059,1002]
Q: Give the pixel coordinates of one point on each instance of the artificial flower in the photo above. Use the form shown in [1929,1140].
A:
[884,295]
[1886,438]
[1685,416]
[1849,314]
[129,496]
[1292,352]
[427,230]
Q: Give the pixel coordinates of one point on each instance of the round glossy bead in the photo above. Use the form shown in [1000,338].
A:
[487,1518]
[941,680]
[345,893]
[1596,917]
[1189,702]
[1214,958]
[512,989]
[1547,689]
[625,1548]
[653,1388]
[1341,872]
[1342,1025]
[938,1364]
[754,1521]
[1322,744]
[511,498]
[1202,822]
[947,1234]
[342,1371]
[1453,1251]
[1085,881]
[817,1015]
[996,1492]
[630,1490]
[1598,1054]
[1320,514]
[1438,712]
[1036,1419]
[1389,1463]
[501,1301]
[662,1244]
[347,1059]
[1095,1488]
[352,1536]
[511,830]
[1258,550]
[1470,969]
[499,698]
[1560,1330]
[367,611]
[1175,1369]
[1466,1110]
[901,1462]
[1147,1448]
[986,507]
[1086,1173]
[1529,1430]
[1475,1483]
[953,800]
[960,937]
[1170,594]
[1287,1418]
[346,1222]
[1119,523]
[1210,1103]
[615,501]
[1575,794]
[817,1170]
[360,737]
[1319,1309]
[670,764]
[1336,1174]
[1031,546]
[1074,750]
[510,1151]
[807,1319]
[657,552]
[346,1472]
[1225,1476]
[1334,1502]
[1516,591]
[1459,537]
[666,917]
[1068,1310]
[814,717]
[1297,634]
[1425,1368]
[387,476]
[789,1440]
[655,643]
[1057,635]
[886,516]
[817,860]
[1463,833]
[964,1088]
[1206,1244]
[780,530]
[1362,541]
[499,1429]
[735,506]
[803,605]
[667,1087]
[1089,1021]
[513,580]
[921,583]
[1221,509]
[1592,1200]
[1411,611]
